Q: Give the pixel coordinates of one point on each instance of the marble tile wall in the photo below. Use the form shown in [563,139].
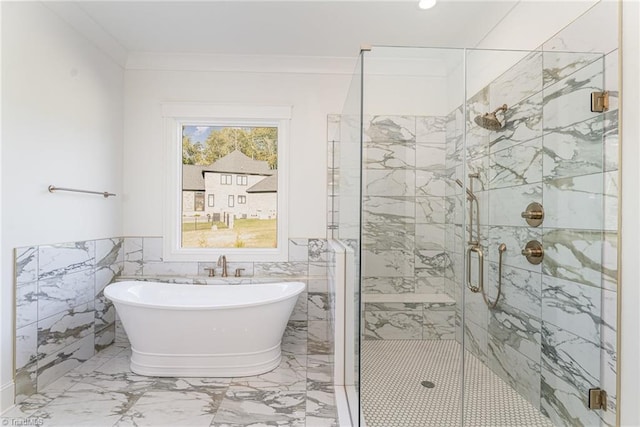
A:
[552,336]
[403,221]
[63,318]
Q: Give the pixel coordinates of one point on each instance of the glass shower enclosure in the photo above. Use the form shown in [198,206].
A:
[476,189]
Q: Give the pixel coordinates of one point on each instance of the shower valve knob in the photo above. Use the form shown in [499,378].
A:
[534,252]
[531,215]
[534,214]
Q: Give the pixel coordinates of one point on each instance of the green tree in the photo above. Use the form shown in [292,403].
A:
[259,143]
[191,153]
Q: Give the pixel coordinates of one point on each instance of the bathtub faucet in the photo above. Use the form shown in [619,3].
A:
[222,262]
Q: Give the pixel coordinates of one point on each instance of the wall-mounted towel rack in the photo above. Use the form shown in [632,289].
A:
[105,194]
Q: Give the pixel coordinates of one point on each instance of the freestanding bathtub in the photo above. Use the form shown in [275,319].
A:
[204,330]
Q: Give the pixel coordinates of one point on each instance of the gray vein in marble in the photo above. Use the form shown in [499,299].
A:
[574,150]
[521,373]
[61,330]
[383,155]
[517,165]
[294,340]
[26,305]
[289,375]
[562,104]
[317,250]
[574,255]
[245,408]
[518,82]
[431,129]
[395,129]
[560,65]
[523,122]
[319,337]
[433,262]
[516,329]
[26,265]
[393,325]
[109,252]
[573,307]
[60,293]
[394,182]
[388,285]
[570,367]
[65,259]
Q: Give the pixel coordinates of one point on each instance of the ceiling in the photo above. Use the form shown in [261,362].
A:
[295,28]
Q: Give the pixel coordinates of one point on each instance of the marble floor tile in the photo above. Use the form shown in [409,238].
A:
[87,405]
[173,408]
[290,375]
[294,340]
[261,408]
[104,392]
[321,406]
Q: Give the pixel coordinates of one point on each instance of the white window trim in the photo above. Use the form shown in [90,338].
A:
[174,116]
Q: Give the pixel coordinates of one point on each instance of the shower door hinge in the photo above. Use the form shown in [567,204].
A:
[599,102]
[597,399]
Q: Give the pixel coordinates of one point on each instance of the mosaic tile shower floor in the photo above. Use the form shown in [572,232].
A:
[392,394]
[104,392]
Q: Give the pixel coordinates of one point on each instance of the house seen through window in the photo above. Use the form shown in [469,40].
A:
[233,164]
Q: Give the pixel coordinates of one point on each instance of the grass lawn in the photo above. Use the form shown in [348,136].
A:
[201,225]
[246,233]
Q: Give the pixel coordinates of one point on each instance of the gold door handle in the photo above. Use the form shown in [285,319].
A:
[470,285]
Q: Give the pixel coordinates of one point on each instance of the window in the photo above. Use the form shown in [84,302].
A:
[207,145]
[198,202]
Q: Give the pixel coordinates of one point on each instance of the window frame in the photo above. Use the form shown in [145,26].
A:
[177,115]
[211,200]
[242,200]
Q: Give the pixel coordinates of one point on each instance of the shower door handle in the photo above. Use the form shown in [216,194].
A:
[478,250]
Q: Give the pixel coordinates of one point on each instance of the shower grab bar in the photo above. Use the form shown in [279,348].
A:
[492,304]
[470,285]
[105,194]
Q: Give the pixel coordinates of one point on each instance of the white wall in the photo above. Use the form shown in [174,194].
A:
[62,105]
[6,350]
[630,232]
[312,96]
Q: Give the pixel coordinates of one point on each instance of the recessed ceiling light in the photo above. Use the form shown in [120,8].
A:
[426,4]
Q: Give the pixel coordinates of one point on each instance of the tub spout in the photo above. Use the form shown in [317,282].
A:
[222,262]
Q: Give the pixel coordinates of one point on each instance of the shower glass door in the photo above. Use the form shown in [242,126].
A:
[478,191]
[534,331]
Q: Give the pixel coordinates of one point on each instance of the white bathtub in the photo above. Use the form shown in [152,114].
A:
[204,330]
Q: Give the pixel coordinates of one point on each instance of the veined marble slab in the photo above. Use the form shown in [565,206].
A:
[396,129]
[431,129]
[406,298]
[66,258]
[26,265]
[564,102]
